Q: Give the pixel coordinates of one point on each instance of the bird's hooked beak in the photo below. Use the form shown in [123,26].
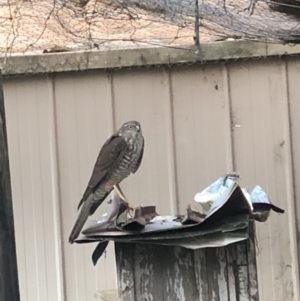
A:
[138,128]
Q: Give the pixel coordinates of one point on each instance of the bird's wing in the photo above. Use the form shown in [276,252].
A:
[138,163]
[111,152]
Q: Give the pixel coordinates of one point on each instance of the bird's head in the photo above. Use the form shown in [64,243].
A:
[130,129]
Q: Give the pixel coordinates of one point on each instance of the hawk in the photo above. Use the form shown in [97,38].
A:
[120,156]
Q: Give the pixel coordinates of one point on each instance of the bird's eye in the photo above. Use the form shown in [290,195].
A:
[130,127]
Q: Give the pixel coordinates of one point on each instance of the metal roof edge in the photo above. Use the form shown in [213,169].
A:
[122,58]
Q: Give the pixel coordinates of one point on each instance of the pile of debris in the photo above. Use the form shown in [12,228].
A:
[224,218]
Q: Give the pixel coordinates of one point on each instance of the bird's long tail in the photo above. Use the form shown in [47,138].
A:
[81,219]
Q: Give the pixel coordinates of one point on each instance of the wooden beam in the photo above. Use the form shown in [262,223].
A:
[155,272]
[9,287]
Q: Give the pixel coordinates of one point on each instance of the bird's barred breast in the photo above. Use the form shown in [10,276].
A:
[126,166]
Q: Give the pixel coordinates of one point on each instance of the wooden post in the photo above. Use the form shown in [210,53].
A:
[9,288]
[154,272]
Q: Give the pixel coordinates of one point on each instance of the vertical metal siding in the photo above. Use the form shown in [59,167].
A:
[201,129]
[83,122]
[32,144]
[262,154]
[145,96]
[198,121]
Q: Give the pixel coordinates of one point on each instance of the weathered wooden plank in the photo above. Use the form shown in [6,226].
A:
[222,276]
[252,271]
[173,273]
[125,271]
[201,273]
[160,273]
[181,276]
[231,268]
[144,263]
[9,287]
[242,272]
[215,286]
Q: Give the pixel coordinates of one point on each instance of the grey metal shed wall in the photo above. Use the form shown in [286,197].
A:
[198,121]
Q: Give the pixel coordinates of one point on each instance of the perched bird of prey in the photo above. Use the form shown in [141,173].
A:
[120,156]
